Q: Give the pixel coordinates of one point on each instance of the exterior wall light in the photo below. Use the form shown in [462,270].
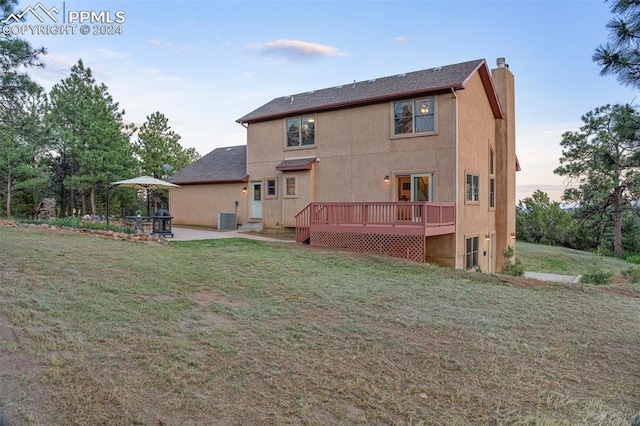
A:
[244,190]
[386,179]
[513,235]
[487,237]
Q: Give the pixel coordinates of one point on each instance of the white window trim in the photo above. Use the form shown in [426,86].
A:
[477,186]
[295,187]
[266,186]
[477,252]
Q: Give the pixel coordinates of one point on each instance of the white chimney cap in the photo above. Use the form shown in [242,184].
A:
[501,63]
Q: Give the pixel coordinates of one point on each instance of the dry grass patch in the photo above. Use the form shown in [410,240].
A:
[246,332]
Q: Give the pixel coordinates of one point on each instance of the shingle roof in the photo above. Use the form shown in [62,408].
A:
[376,90]
[227,164]
[296,164]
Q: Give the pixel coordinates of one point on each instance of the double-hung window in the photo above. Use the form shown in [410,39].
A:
[472,188]
[290,189]
[471,252]
[301,131]
[492,179]
[271,188]
[414,116]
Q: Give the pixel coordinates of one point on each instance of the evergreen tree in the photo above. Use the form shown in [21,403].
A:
[540,220]
[621,55]
[22,145]
[158,145]
[603,158]
[92,139]
[20,102]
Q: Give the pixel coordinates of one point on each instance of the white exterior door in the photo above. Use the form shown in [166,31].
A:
[256,200]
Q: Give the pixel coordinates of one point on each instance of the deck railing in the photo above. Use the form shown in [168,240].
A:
[390,218]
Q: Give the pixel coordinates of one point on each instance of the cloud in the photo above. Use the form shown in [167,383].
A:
[171,46]
[295,50]
[401,39]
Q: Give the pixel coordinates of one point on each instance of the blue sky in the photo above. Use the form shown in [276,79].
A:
[206,64]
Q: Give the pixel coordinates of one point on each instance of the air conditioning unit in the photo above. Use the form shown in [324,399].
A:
[227,221]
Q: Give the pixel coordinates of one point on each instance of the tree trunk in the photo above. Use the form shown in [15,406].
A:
[93,199]
[9,194]
[617,223]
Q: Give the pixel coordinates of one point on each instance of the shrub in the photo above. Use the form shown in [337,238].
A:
[596,275]
[632,273]
[634,258]
[515,269]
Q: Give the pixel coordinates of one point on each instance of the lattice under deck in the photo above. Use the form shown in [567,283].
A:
[410,247]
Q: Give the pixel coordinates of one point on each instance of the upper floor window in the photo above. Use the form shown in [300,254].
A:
[472,187]
[301,131]
[414,116]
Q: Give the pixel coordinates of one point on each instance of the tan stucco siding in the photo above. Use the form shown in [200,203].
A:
[476,134]
[355,150]
[200,204]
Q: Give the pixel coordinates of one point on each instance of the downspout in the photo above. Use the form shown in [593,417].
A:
[457,192]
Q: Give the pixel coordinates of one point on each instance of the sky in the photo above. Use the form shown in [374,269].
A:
[206,64]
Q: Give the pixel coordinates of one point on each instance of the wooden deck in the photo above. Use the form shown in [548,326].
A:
[422,219]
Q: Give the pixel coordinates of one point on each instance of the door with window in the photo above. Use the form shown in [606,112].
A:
[415,187]
[256,200]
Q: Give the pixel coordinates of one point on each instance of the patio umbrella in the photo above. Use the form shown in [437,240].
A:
[143,182]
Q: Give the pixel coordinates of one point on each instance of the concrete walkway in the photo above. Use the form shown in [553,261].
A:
[188,234]
[553,277]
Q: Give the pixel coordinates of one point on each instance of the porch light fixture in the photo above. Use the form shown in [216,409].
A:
[487,237]
[386,179]
[244,190]
[513,235]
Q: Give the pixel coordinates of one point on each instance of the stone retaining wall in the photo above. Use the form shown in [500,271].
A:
[97,232]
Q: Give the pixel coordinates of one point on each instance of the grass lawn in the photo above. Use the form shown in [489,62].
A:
[559,260]
[241,332]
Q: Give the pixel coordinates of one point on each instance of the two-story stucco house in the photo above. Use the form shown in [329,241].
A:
[419,165]
[444,135]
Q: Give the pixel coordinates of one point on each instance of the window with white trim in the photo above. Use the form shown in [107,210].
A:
[471,252]
[492,192]
[290,188]
[492,178]
[414,116]
[472,188]
[272,190]
[301,131]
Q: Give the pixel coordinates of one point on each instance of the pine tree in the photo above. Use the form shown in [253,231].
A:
[92,138]
[603,157]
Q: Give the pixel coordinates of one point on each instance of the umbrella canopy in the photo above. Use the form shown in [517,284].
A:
[145,182]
